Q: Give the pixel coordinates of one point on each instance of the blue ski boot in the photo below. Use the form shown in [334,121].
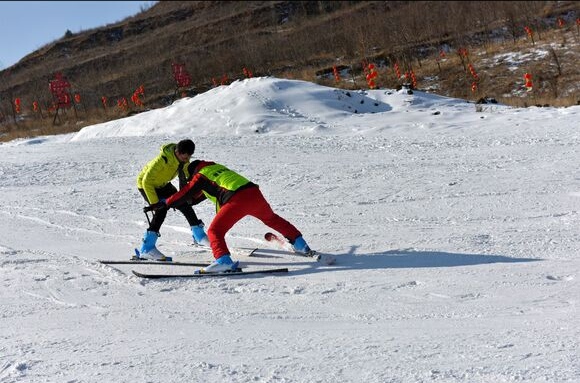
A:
[221,265]
[199,235]
[148,249]
[300,246]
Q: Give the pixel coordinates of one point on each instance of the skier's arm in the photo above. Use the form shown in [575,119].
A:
[193,187]
[150,177]
[200,197]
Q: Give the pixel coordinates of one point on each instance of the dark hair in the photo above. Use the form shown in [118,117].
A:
[191,167]
[186,146]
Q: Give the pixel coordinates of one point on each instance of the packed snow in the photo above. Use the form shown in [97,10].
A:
[455,230]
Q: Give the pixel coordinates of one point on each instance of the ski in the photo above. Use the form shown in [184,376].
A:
[238,272]
[169,260]
[234,251]
[149,262]
[327,259]
[202,249]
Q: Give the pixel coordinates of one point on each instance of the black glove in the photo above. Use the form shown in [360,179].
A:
[156,206]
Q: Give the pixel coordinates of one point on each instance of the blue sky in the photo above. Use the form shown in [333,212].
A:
[26,26]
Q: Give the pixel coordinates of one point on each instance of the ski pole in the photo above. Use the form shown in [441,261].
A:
[148,221]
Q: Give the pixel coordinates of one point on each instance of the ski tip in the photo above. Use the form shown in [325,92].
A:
[326,259]
[269,236]
[322,258]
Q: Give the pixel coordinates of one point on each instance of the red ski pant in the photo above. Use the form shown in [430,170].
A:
[245,202]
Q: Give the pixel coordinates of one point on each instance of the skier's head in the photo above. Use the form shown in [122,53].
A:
[186,147]
[192,167]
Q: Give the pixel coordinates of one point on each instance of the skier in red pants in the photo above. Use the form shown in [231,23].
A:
[235,197]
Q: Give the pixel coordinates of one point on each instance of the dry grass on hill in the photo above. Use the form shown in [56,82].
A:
[302,40]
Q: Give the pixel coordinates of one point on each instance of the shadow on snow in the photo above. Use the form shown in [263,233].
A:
[391,259]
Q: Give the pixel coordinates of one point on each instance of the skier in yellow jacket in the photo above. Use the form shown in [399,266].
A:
[154,184]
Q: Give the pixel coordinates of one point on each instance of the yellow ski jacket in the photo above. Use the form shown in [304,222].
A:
[159,172]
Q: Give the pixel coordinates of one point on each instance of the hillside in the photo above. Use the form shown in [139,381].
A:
[215,41]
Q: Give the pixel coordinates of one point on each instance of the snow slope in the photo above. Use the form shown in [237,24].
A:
[456,234]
